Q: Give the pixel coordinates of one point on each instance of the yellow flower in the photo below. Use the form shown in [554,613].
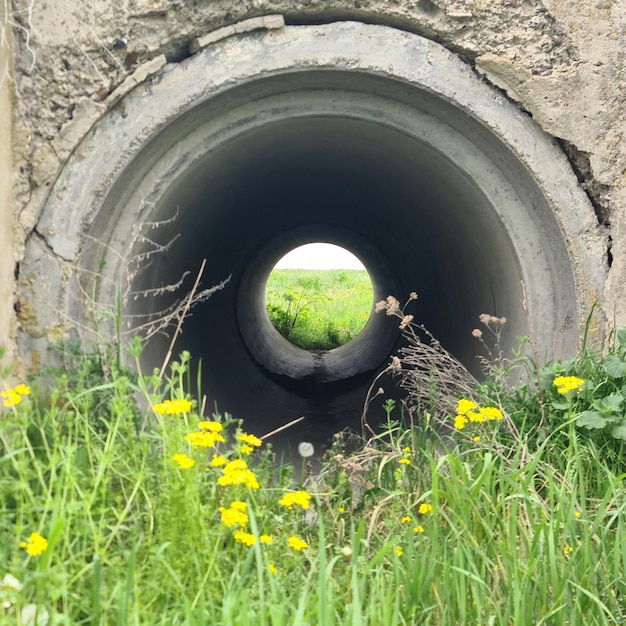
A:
[214,427]
[35,544]
[567,550]
[404,462]
[576,513]
[11,397]
[460,421]
[475,416]
[183,461]
[265,539]
[341,510]
[564,384]
[22,389]
[425,508]
[464,406]
[491,413]
[218,460]
[237,473]
[296,543]
[418,529]
[203,438]
[398,551]
[246,538]
[235,515]
[271,568]
[477,438]
[246,449]
[299,498]
[172,407]
[251,440]
[406,519]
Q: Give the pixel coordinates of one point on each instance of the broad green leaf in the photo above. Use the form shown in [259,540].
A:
[591,419]
[610,404]
[560,406]
[621,337]
[619,432]
[614,366]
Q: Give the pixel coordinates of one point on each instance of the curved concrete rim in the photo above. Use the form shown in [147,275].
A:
[385,136]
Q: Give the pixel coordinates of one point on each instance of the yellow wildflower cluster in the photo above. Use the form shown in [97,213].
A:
[296,498]
[172,407]
[250,440]
[235,515]
[243,537]
[183,461]
[213,427]
[296,543]
[236,472]
[13,395]
[425,508]
[468,411]
[35,545]
[564,384]
[203,438]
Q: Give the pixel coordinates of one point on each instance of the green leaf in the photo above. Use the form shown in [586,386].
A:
[621,337]
[614,366]
[591,419]
[610,404]
[560,406]
[619,432]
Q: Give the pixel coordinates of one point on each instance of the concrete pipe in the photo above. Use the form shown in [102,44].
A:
[360,135]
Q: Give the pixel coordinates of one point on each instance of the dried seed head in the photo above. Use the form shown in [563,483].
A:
[413,295]
[477,333]
[484,318]
[406,320]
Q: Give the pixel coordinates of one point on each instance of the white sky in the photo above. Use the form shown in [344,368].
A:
[320,256]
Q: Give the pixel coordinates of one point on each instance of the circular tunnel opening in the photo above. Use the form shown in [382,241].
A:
[319,296]
[357,135]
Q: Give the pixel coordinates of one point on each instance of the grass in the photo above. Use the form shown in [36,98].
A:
[521,520]
[319,309]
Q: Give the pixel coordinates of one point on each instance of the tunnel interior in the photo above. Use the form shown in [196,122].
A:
[264,142]
[415,219]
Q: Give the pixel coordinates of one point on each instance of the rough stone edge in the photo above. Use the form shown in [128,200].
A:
[269,22]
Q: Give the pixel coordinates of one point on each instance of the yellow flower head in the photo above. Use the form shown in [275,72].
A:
[406,519]
[251,440]
[564,384]
[11,397]
[235,515]
[298,498]
[183,461]
[214,427]
[398,551]
[271,567]
[246,538]
[296,543]
[425,508]
[172,407]
[418,529]
[460,421]
[464,406]
[491,413]
[203,438]
[246,449]
[35,545]
[218,460]
[237,473]
[265,539]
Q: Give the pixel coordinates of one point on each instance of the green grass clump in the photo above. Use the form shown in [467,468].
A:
[319,309]
[161,515]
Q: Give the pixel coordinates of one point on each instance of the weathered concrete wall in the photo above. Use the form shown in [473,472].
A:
[563,64]
[7,208]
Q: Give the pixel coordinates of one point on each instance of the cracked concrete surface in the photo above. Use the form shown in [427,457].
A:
[562,65]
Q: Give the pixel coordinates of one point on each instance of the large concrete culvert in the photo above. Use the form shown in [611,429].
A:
[360,135]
